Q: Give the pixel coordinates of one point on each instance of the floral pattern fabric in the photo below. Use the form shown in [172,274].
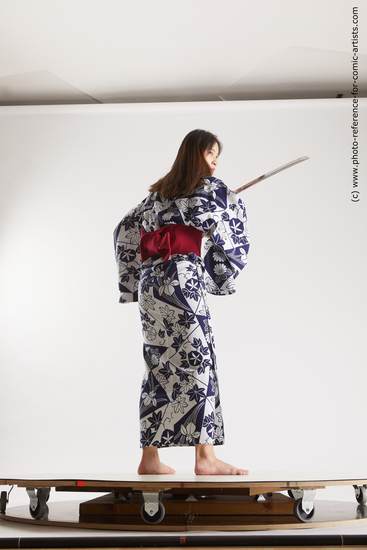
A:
[180,402]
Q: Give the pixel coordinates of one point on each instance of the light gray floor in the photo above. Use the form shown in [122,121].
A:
[13,530]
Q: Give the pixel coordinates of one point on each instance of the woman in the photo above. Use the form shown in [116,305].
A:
[158,252]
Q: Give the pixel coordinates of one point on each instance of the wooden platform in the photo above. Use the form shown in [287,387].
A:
[261,501]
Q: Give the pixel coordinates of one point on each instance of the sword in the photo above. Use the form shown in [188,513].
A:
[272,173]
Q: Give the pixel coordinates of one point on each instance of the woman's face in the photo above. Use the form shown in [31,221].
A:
[211,157]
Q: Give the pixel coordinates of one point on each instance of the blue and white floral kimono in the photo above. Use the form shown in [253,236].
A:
[179,403]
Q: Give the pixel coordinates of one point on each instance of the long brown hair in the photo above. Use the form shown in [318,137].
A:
[190,167]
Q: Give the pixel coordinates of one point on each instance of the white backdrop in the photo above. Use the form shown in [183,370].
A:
[291,343]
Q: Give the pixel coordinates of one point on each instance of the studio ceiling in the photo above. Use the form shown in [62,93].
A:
[123,51]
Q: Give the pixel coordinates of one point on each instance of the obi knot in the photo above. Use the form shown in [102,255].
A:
[170,239]
[163,244]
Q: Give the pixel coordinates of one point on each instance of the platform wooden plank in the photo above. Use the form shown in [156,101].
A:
[130,481]
[222,505]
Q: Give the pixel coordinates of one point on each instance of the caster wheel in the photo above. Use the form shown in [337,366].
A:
[295,494]
[38,507]
[158,516]
[300,513]
[361,512]
[361,495]
[3,502]
[40,511]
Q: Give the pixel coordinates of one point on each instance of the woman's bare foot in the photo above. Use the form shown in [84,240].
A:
[151,465]
[206,463]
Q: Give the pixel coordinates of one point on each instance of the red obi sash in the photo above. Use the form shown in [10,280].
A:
[170,239]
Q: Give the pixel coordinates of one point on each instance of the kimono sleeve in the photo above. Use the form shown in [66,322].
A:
[225,252]
[127,252]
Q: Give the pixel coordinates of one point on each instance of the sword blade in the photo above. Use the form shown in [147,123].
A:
[272,173]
